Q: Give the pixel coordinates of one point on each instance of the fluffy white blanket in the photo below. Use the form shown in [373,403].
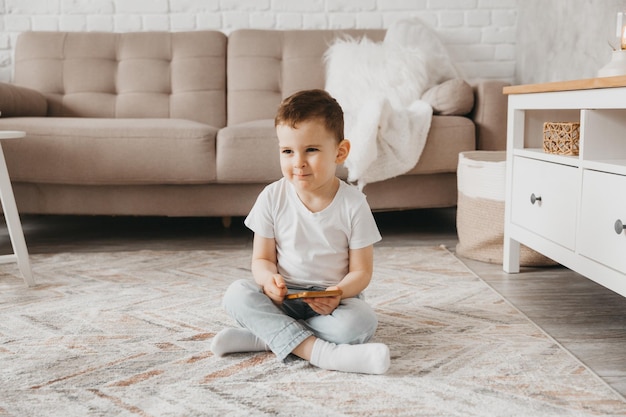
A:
[379,86]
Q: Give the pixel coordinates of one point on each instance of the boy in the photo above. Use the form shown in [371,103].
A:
[312,231]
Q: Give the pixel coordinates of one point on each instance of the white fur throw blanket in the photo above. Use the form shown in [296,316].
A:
[379,86]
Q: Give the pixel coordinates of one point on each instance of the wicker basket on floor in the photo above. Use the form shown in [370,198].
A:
[480,209]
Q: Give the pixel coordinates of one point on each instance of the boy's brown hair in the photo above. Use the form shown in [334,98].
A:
[311,104]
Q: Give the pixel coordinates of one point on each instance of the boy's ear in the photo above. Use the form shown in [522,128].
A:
[342,151]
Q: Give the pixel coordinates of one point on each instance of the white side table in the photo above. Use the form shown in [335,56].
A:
[12,218]
[571,208]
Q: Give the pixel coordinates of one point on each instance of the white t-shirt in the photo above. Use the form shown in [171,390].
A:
[312,248]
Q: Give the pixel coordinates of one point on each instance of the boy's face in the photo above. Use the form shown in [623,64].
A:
[309,155]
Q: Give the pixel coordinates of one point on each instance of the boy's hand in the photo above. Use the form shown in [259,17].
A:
[275,289]
[324,305]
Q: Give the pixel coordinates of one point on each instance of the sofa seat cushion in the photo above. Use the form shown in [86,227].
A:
[98,151]
[248,152]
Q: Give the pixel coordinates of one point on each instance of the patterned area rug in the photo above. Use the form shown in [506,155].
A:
[128,334]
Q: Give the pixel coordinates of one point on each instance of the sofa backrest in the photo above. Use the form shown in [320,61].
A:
[127,75]
[265,66]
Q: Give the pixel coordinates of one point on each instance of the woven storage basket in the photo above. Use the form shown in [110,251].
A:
[480,209]
[561,138]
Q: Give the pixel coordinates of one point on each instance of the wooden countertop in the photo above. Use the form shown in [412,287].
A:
[585,84]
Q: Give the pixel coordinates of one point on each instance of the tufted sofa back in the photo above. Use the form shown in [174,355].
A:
[265,66]
[179,75]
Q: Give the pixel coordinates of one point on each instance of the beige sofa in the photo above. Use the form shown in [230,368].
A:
[181,124]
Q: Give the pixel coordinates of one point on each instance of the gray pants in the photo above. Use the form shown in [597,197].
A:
[284,328]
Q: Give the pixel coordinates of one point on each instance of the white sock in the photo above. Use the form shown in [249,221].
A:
[368,358]
[236,340]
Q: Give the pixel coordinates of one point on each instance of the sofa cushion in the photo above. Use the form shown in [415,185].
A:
[451,98]
[448,136]
[262,164]
[127,75]
[248,152]
[110,151]
[265,66]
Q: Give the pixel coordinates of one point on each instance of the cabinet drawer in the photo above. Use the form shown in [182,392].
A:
[604,203]
[544,199]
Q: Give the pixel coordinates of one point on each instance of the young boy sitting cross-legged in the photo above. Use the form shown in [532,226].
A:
[312,231]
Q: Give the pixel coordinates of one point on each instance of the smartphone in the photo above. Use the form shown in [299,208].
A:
[313,294]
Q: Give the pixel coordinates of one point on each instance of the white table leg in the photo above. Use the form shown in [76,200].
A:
[511,258]
[14,225]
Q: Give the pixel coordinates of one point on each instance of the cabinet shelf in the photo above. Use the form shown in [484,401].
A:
[539,154]
[613,166]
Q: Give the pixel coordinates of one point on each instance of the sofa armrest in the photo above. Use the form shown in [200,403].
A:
[490,115]
[16,101]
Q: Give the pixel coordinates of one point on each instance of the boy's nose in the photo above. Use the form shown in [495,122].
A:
[299,161]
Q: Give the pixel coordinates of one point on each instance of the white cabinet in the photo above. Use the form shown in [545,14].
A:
[570,208]
[544,199]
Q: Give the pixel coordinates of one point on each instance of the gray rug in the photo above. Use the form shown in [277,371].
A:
[107,334]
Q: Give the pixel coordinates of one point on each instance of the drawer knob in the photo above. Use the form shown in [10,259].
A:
[534,198]
[619,227]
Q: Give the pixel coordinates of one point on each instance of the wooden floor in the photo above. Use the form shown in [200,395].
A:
[587,319]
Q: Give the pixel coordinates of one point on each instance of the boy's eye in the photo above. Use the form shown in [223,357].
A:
[312,149]
[286,151]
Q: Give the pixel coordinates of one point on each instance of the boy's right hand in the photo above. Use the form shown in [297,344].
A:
[275,289]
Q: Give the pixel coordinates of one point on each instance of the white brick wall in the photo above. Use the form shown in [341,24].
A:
[480,34]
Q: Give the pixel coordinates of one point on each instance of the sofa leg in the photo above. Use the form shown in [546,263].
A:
[227,221]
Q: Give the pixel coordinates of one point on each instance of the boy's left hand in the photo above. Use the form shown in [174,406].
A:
[324,305]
